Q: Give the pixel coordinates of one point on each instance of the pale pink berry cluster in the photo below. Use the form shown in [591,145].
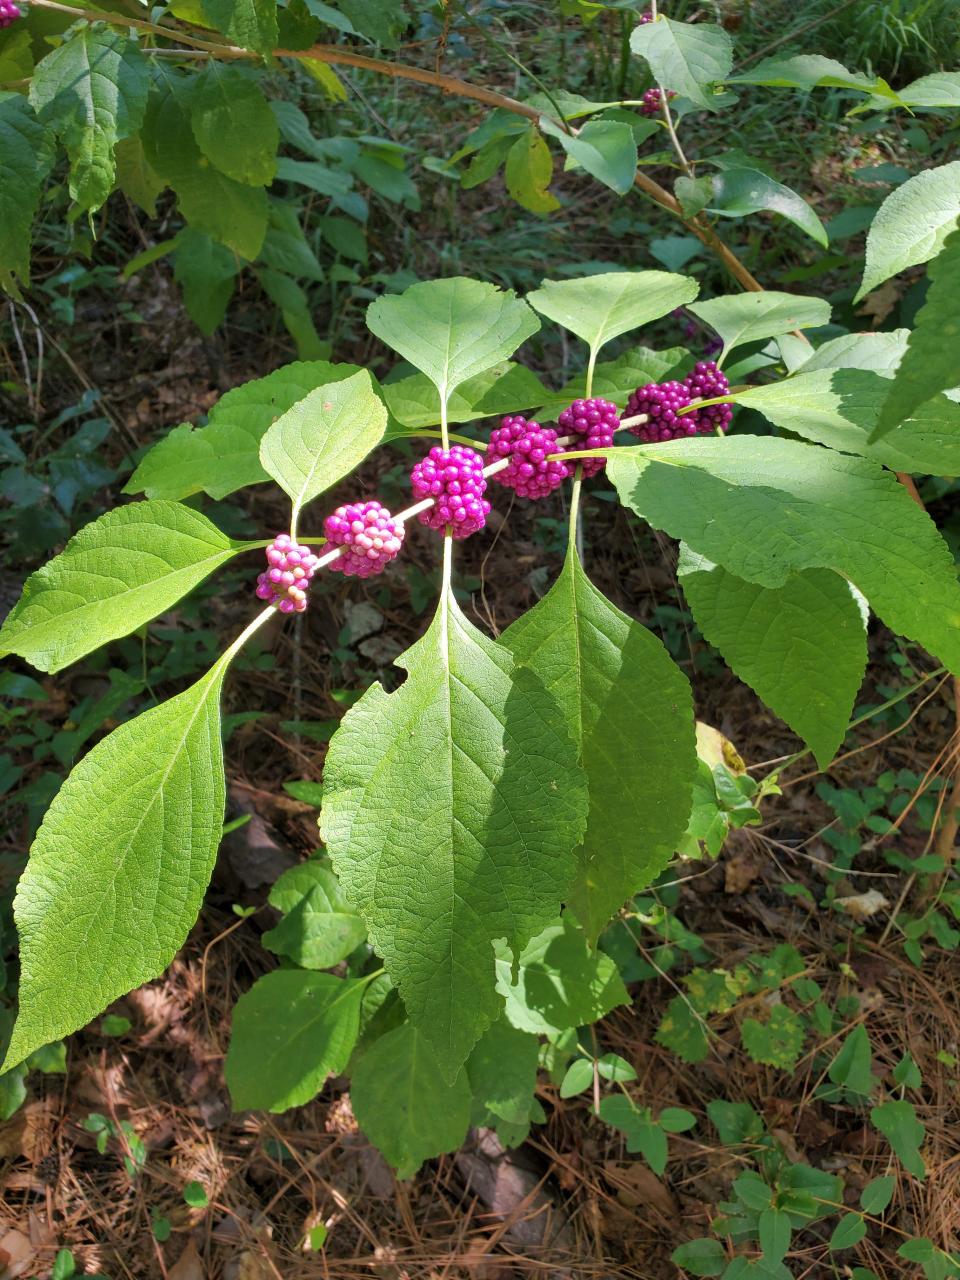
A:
[290,568]
[596,421]
[530,474]
[454,479]
[651,104]
[662,402]
[9,12]
[371,538]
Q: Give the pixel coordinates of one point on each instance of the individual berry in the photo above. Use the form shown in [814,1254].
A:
[645,18]
[651,104]
[661,403]
[527,445]
[454,479]
[370,536]
[595,420]
[9,12]
[706,382]
[290,567]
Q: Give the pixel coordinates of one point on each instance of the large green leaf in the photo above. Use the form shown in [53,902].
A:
[323,437]
[941,89]
[930,362]
[24,163]
[557,982]
[912,224]
[877,352]
[451,811]
[233,124]
[841,407]
[738,192]
[291,1030]
[120,865]
[768,508]
[405,1108]
[225,455]
[92,91]
[686,57]
[504,388]
[801,647]
[606,149]
[320,928]
[114,575]
[812,71]
[251,23]
[629,710]
[747,317]
[602,307]
[452,330]
[231,212]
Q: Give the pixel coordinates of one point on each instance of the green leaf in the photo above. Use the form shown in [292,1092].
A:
[321,929]
[297,882]
[812,71]
[136,178]
[92,91]
[735,1122]
[682,1031]
[323,437]
[504,388]
[206,272]
[291,1030]
[616,379]
[452,330]
[941,89]
[408,1111]
[579,1076]
[739,192]
[777,1042]
[232,212]
[225,455]
[195,1195]
[841,408]
[774,1231]
[233,124]
[612,1067]
[602,307]
[748,317]
[379,20]
[704,1257]
[929,364]
[849,1231]
[898,1123]
[629,711]
[24,163]
[559,981]
[765,509]
[114,575]
[877,1194]
[528,171]
[642,1132]
[252,24]
[907,1073]
[285,247]
[912,224]
[773,638]
[120,864]
[502,1071]
[851,1068]
[485,849]
[686,57]
[606,149]
[876,352]
[295,309]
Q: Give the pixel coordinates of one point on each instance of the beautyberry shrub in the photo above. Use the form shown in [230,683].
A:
[369,536]
[527,445]
[454,479]
[290,568]
[595,420]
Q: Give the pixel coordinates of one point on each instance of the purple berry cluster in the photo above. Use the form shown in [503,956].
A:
[661,402]
[645,18]
[9,12]
[285,583]
[369,536]
[454,479]
[527,445]
[595,420]
[652,101]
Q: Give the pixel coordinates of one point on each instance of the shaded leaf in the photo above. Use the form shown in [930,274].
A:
[912,224]
[606,149]
[233,124]
[686,57]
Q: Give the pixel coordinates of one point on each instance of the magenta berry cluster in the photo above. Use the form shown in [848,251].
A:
[530,474]
[661,402]
[371,538]
[454,479]
[595,420]
[651,104]
[9,12]
[645,18]
[290,568]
